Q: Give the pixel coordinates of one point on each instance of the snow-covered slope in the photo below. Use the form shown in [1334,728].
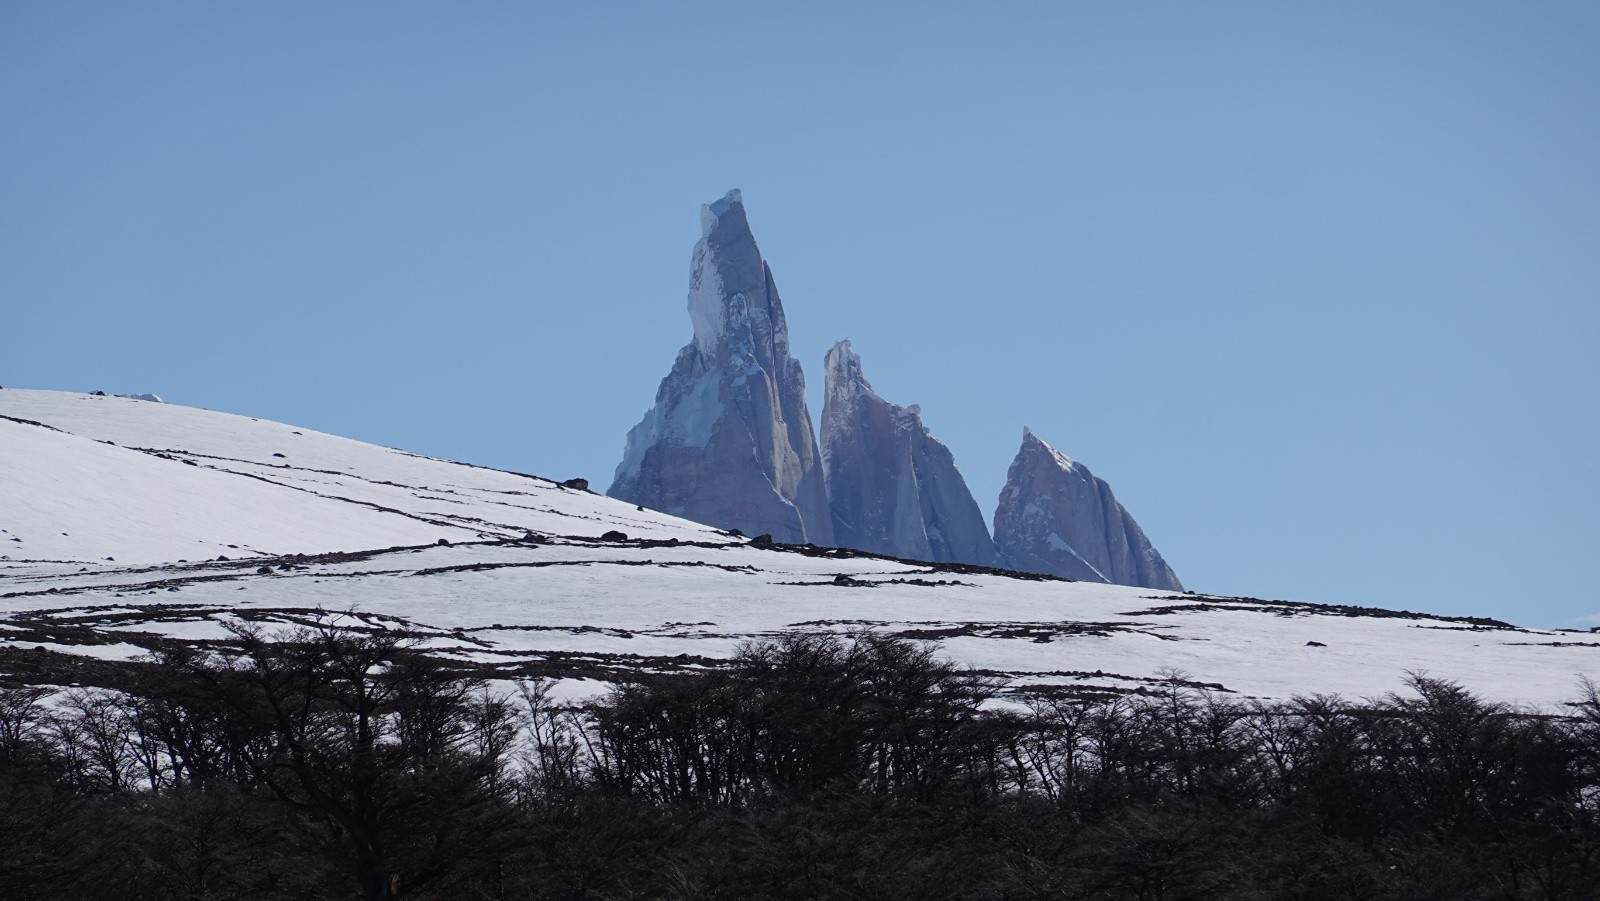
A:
[530,582]
[84,477]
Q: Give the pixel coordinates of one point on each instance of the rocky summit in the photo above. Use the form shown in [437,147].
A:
[729,440]
[893,488]
[729,443]
[1057,518]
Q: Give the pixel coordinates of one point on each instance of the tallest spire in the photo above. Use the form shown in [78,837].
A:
[729,440]
[730,286]
[712,213]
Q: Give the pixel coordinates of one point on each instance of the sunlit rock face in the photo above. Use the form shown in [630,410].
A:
[1055,517]
[729,440]
[892,487]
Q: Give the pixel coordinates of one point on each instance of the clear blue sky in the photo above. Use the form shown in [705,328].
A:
[1315,286]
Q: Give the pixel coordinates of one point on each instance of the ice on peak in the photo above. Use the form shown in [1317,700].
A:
[843,367]
[733,196]
[730,289]
[712,212]
[707,306]
[1030,440]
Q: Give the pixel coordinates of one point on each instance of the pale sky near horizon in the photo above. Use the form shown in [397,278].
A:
[1314,286]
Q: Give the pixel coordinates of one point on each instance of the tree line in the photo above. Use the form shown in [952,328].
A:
[329,763]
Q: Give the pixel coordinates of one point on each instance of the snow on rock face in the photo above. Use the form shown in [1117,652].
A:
[1055,517]
[892,487]
[729,440]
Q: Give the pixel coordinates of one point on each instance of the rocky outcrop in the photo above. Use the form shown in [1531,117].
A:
[1055,517]
[729,441]
[892,487]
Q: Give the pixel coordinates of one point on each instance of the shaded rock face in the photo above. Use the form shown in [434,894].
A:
[729,441]
[1055,517]
[892,487]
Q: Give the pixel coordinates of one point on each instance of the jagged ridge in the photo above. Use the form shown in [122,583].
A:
[893,488]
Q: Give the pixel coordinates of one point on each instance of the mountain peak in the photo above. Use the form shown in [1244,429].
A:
[729,440]
[731,292]
[1056,517]
[842,368]
[712,213]
[1033,444]
[892,487]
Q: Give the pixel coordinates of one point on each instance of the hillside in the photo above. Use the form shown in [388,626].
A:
[126,524]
